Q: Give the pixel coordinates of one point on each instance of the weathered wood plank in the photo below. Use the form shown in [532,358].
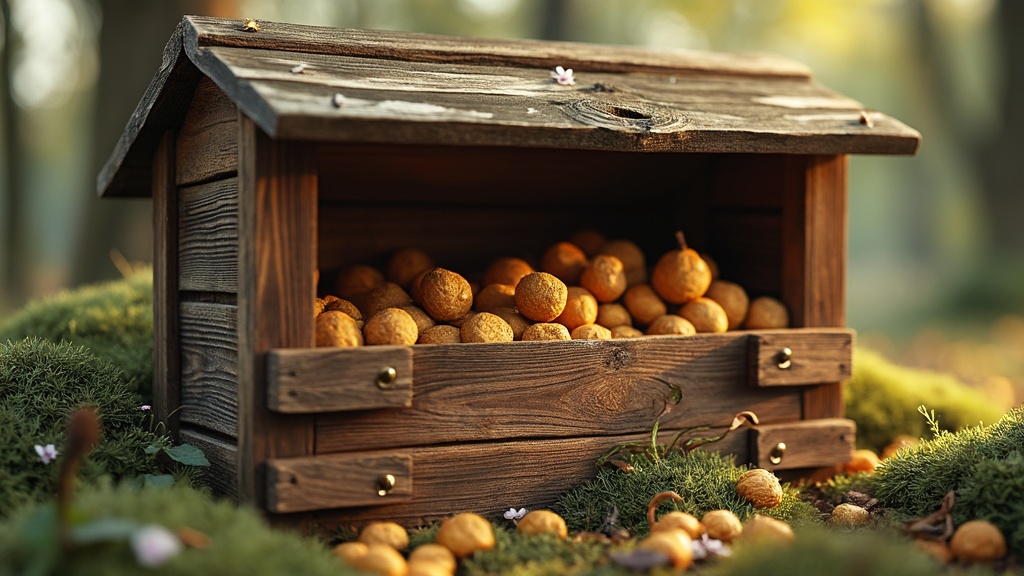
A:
[208,139]
[208,237]
[333,380]
[166,367]
[338,481]
[803,444]
[478,392]
[277,200]
[798,357]
[223,457]
[209,366]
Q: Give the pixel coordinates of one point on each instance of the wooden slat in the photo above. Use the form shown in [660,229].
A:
[208,140]
[277,201]
[815,357]
[223,458]
[477,392]
[337,481]
[335,380]
[809,443]
[208,237]
[209,366]
[166,367]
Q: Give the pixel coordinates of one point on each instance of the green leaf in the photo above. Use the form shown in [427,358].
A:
[188,454]
[158,480]
[103,530]
[153,449]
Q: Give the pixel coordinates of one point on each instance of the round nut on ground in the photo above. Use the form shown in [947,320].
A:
[446,295]
[671,324]
[678,520]
[387,295]
[760,487]
[486,327]
[390,327]
[644,304]
[441,334]
[406,264]
[382,560]
[977,541]
[385,532]
[350,551]
[722,525]
[517,321]
[862,460]
[580,308]
[335,328]
[494,296]
[546,331]
[733,299]
[428,568]
[766,312]
[423,320]
[434,553]
[759,528]
[465,533]
[591,332]
[506,270]
[847,514]
[604,277]
[542,522]
[613,314]
[938,550]
[541,296]
[565,260]
[357,279]
[633,260]
[676,544]
[706,315]
[899,442]
[626,332]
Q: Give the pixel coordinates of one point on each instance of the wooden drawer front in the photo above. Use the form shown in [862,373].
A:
[803,444]
[801,357]
[340,481]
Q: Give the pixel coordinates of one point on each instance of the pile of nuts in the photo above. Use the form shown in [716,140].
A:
[586,287]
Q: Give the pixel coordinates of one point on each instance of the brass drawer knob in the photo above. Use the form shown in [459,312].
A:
[386,378]
[775,456]
[784,358]
[384,484]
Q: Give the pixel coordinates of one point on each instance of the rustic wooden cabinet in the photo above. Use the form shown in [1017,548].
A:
[270,154]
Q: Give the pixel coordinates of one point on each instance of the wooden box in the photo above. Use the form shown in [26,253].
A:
[272,153]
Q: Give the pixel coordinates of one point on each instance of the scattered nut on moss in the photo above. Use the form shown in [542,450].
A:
[899,442]
[565,260]
[385,532]
[760,487]
[766,312]
[733,299]
[847,514]
[546,331]
[390,327]
[445,295]
[541,296]
[506,270]
[761,528]
[542,522]
[441,334]
[674,543]
[591,332]
[644,304]
[434,553]
[428,568]
[382,560]
[465,533]
[580,308]
[494,296]
[350,551]
[486,327]
[977,541]
[706,315]
[626,332]
[604,277]
[722,525]
[338,329]
[678,520]
[671,324]
[862,460]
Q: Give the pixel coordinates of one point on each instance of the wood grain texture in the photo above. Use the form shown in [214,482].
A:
[817,357]
[277,259]
[166,367]
[808,443]
[486,392]
[209,366]
[208,237]
[337,481]
[304,381]
[208,139]
[223,456]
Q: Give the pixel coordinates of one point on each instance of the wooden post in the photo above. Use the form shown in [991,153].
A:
[166,350]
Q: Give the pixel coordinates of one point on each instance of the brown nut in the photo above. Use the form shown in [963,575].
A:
[733,299]
[899,442]
[486,327]
[390,533]
[674,543]
[542,522]
[390,327]
[644,304]
[429,568]
[706,315]
[387,295]
[423,320]
[604,277]
[335,328]
[494,296]
[357,279]
[406,264]
[671,324]
[465,533]
[626,332]
[446,295]
[847,514]
[677,520]
[863,460]
[546,331]
[434,553]
[382,560]
[722,525]
[508,270]
[591,332]
[613,314]
[565,260]
[441,334]
[759,528]
[760,487]
[681,275]
[541,296]
[580,308]
[589,240]
[342,305]
[977,541]
[632,256]
[766,312]
[350,551]
[517,321]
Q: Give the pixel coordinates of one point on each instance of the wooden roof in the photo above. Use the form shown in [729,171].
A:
[344,85]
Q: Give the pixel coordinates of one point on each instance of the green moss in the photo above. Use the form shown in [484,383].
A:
[706,481]
[534,555]
[41,383]
[240,542]
[882,398]
[983,464]
[114,320]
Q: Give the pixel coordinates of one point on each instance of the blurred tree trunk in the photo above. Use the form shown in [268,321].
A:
[554,23]
[132,39]
[13,271]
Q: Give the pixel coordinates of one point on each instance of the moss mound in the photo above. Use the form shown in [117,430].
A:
[41,383]
[240,542]
[114,320]
[882,398]
[984,465]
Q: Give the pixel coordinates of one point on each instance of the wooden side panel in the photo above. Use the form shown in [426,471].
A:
[338,481]
[165,285]
[208,237]
[804,444]
[208,140]
[223,457]
[277,209]
[209,366]
[334,380]
[797,358]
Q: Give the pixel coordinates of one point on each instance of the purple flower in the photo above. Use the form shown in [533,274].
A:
[706,547]
[154,545]
[46,453]
[145,407]
[563,75]
[513,514]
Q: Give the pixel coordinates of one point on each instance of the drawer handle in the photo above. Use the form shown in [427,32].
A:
[775,456]
[385,484]
[784,359]
[386,378]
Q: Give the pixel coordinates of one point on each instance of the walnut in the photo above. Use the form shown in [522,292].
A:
[849,515]
[760,487]
[977,541]
[722,525]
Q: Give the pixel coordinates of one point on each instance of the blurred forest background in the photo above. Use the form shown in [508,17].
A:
[936,241]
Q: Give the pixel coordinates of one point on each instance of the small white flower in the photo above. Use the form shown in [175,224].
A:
[46,453]
[706,546]
[563,75]
[338,100]
[513,514]
[154,545]
[145,407]
[297,69]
